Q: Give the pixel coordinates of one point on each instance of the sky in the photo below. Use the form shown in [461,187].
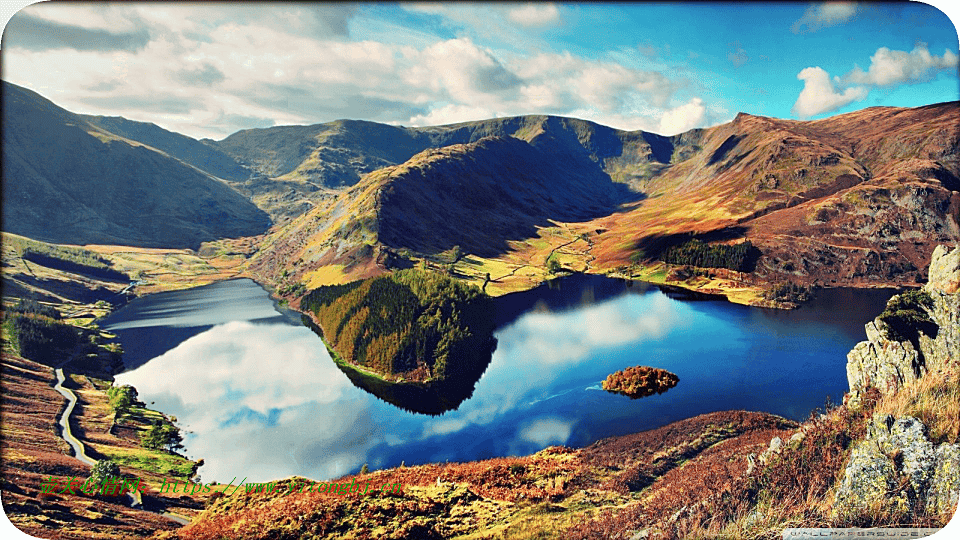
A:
[211,69]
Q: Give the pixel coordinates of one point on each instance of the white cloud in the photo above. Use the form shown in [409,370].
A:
[535,14]
[819,16]
[683,118]
[450,114]
[888,68]
[546,431]
[210,70]
[819,94]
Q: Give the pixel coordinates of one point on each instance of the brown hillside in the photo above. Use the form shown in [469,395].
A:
[859,199]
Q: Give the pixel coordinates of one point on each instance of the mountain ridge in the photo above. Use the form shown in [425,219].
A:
[856,199]
[68,181]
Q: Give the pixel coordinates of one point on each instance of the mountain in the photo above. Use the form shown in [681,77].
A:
[857,199]
[186,149]
[474,198]
[338,154]
[298,166]
[860,198]
[67,180]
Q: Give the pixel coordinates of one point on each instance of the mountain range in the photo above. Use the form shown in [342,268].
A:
[856,199]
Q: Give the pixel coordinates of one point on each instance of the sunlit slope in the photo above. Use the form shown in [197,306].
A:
[858,198]
[68,181]
[470,198]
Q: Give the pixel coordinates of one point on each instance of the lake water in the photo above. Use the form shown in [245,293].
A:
[259,398]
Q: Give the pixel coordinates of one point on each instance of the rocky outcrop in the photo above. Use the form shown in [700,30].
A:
[944,274]
[897,470]
[887,364]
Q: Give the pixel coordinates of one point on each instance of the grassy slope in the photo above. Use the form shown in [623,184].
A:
[826,202]
[85,184]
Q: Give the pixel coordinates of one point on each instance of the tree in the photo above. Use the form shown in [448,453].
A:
[553,265]
[102,470]
[121,398]
[160,435]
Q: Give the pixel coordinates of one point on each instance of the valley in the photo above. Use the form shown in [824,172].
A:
[409,249]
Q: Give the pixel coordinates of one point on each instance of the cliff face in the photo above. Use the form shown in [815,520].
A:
[887,363]
[897,468]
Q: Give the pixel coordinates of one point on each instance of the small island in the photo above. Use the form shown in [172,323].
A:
[640,381]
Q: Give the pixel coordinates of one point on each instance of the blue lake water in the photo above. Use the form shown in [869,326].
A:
[259,398]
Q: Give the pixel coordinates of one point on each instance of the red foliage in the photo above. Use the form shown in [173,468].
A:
[640,381]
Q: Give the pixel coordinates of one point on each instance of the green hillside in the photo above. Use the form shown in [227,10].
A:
[66,180]
[410,325]
[190,151]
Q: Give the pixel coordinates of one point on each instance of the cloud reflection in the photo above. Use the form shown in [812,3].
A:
[546,431]
[545,338]
[264,401]
[267,399]
[535,352]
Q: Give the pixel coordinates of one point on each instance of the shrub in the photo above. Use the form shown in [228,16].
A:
[161,435]
[788,292]
[553,265]
[905,317]
[121,398]
[102,470]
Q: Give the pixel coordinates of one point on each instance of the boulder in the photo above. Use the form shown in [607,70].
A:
[944,272]
[897,469]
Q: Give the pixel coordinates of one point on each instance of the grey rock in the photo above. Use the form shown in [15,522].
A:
[896,468]
[944,273]
[887,364]
[944,491]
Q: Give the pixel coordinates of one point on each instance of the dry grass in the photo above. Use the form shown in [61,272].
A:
[934,399]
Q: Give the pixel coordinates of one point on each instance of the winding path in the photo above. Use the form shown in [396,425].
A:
[80,452]
[64,421]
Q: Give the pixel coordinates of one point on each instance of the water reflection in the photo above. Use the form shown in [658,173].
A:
[263,400]
[159,323]
[260,397]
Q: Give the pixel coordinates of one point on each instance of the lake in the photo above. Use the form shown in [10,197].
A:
[259,398]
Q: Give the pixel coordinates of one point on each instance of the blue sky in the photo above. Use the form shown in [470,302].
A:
[208,69]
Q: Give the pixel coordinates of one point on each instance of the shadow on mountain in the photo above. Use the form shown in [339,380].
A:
[654,246]
[483,195]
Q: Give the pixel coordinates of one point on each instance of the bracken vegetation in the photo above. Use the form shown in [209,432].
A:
[724,492]
[695,252]
[421,324]
[640,381]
